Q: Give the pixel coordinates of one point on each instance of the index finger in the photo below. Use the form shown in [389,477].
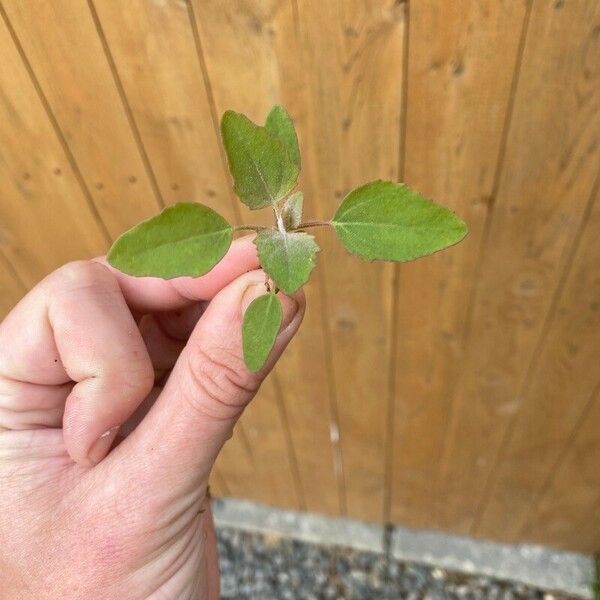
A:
[152,294]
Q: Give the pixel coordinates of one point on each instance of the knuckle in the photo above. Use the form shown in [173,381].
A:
[135,377]
[220,386]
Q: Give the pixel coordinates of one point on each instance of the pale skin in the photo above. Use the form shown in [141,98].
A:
[103,472]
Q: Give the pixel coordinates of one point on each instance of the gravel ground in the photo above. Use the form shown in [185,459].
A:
[254,566]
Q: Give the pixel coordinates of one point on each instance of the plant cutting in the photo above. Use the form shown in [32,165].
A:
[381,220]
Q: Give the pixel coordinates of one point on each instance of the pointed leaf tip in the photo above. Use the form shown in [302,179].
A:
[262,321]
[185,239]
[383,220]
[280,124]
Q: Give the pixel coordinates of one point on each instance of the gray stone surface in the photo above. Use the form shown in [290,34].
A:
[536,566]
[270,567]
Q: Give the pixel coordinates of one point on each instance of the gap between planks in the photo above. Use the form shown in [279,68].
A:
[547,485]
[128,112]
[527,380]
[211,101]
[395,288]
[56,127]
[472,296]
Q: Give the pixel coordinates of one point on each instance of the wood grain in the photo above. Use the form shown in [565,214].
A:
[567,515]
[218,487]
[456,392]
[236,466]
[12,288]
[154,49]
[46,218]
[352,55]
[555,129]
[247,47]
[67,58]
[555,397]
[152,45]
[460,69]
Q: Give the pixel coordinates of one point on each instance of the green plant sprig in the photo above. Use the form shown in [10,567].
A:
[381,220]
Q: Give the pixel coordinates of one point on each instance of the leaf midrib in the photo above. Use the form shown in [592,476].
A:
[270,196]
[286,254]
[390,225]
[265,326]
[180,241]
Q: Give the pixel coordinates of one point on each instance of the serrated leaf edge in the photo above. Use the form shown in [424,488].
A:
[288,269]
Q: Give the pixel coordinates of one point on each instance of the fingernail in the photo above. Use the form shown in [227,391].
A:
[102,445]
[289,306]
[253,291]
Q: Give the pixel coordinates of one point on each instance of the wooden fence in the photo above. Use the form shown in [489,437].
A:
[459,392]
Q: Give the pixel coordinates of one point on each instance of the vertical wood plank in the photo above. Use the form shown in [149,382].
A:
[156,58]
[236,465]
[263,423]
[353,56]
[585,531]
[567,515]
[304,384]
[555,396]
[46,219]
[152,45]
[11,287]
[552,156]
[461,59]
[244,49]
[107,109]
[250,59]
[67,58]
[218,486]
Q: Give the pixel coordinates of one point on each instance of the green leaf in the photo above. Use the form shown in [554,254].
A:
[262,321]
[184,239]
[291,211]
[260,165]
[390,221]
[280,124]
[287,257]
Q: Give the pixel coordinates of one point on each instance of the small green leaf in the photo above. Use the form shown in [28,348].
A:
[390,221]
[287,257]
[262,321]
[291,211]
[260,165]
[280,124]
[184,239]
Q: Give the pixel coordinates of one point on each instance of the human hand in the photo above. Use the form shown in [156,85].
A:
[103,473]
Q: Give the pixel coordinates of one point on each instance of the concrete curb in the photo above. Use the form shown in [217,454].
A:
[307,527]
[538,566]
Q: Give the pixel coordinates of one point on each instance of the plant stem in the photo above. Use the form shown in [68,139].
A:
[250,228]
[278,219]
[313,224]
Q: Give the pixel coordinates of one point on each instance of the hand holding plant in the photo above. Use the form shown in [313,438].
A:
[380,220]
[80,355]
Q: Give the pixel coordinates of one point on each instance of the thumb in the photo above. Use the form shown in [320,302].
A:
[209,386]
